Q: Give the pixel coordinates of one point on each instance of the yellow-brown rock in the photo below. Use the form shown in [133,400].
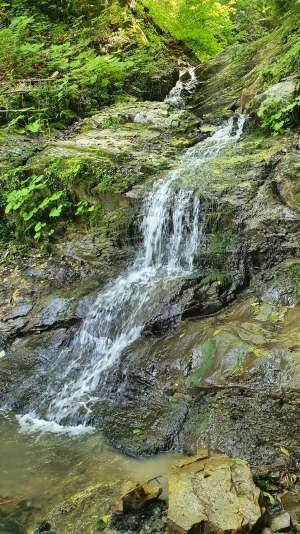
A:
[136,496]
[215,494]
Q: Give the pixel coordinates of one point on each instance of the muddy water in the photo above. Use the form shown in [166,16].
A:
[48,470]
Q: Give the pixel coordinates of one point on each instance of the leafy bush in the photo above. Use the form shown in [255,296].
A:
[54,73]
[295,275]
[29,206]
[251,19]
[77,78]
[278,118]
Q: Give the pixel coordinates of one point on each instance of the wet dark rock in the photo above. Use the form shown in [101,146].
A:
[186,76]
[81,511]
[46,526]
[19,311]
[222,376]
[51,311]
[10,505]
[14,514]
[44,346]
[148,520]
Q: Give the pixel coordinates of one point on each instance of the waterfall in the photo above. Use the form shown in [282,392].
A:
[183,90]
[171,227]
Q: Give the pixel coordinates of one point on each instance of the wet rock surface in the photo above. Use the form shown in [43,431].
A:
[291,504]
[79,512]
[150,520]
[224,78]
[221,377]
[13,511]
[42,301]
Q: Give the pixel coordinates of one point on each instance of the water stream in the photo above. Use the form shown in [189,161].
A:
[172,221]
[53,471]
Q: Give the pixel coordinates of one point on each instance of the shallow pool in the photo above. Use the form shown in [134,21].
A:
[71,480]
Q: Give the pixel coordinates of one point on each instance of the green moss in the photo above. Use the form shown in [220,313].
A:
[117,225]
[206,360]
[80,172]
[240,360]
[295,276]
[110,121]
[224,279]
[223,243]
[221,218]
[86,127]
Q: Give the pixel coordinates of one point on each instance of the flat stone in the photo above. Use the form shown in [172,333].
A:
[9,505]
[202,454]
[52,310]
[20,311]
[136,496]
[215,494]
[280,522]
[291,504]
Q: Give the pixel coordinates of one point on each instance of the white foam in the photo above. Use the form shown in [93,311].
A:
[30,424]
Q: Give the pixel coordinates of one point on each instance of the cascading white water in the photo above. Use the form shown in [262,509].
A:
[183,90]
[172,230]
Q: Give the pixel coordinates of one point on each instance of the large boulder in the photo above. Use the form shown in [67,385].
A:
[283,90]
[213,494]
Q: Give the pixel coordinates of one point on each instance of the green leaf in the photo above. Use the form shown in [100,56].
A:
[8,207]
[182,335]
[284,451]
[55,212]
[29,215]
[93,79]
[34,127]
[269,496]
[55,196]
[44,203]
[278,125]
[138,432]
[101,525]
[216,332]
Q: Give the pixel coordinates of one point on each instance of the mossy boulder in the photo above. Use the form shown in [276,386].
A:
[249,67]
[101,169]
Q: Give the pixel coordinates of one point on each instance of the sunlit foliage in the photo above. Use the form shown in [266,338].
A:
[204,26]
